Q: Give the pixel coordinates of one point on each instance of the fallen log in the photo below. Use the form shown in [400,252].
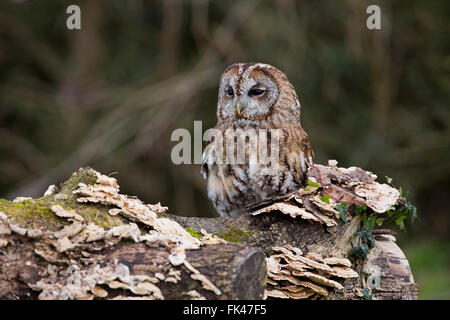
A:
[85,240]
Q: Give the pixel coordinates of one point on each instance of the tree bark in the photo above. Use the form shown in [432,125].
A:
[231,267]
[85,251]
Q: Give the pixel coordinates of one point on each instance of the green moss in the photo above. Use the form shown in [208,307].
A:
[31,214]
[99,215]
[86,176]
[235,234]
[194,233]
[37,213]
[95,213]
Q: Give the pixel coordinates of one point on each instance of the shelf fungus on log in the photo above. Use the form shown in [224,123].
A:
[85,240]
[294,275]
[352,186]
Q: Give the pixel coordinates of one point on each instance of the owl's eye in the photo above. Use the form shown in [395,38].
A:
[230,92]
[256,92]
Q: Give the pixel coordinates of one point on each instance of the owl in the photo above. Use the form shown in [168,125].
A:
[255,98]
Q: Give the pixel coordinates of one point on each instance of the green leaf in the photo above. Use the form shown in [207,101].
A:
[412,210]
[342,207]
[366,294]
[370,240]
[401,218]
[365,221]
[313,184]
[359,233]
[360,251]
[399,222]
[379,222]
[325,198]
[364,248]
[372,221]
[360,209]
[389,179]
[356,252]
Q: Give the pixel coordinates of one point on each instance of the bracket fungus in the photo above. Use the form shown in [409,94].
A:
[294,275]
[317,203]
[85,240]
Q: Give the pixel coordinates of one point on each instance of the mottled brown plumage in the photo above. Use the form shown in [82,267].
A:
[255,96]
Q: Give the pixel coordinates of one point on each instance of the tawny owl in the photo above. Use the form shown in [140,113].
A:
[252,97]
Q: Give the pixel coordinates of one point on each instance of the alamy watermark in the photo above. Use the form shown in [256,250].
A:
[258,148]
[374,20]
[73,21]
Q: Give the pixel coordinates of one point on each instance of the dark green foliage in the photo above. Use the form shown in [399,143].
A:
[360,209]
[400,212]
[363,238]
[342,208]
[367,295]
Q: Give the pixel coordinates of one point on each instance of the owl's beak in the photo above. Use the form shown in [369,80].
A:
[238,108]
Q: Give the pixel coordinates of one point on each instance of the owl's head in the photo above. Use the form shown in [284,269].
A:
[256,92]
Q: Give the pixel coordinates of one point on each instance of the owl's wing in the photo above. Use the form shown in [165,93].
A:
[307,148]
[207,160]
[303,150]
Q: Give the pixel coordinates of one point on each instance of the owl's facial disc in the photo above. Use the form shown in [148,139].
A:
[248,95]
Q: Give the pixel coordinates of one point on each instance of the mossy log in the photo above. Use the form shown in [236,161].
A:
[56,247]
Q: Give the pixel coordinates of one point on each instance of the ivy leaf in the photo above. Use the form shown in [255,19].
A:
[360,209]
[399,222]
[325,198]
[313,184]
[366,294]
[379,222]
[359,233]
[370,240]
[360,251]
[356,252]
[411,210]
[372,220]
[342,207]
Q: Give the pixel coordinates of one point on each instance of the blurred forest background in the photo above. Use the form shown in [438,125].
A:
[110,95]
